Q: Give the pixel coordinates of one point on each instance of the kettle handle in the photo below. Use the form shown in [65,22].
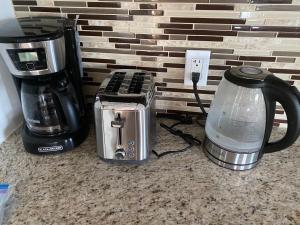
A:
[277,90]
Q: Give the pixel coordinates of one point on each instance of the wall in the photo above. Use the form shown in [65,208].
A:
[10,113]
[154,34]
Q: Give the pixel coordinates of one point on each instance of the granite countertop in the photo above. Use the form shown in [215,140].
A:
[78,188]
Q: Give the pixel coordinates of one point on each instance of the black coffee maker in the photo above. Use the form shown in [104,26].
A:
[43,56]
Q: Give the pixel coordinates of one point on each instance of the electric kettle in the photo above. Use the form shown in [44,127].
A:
[240,119]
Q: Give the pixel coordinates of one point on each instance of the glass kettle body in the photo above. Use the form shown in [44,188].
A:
[240,119]
[237,118]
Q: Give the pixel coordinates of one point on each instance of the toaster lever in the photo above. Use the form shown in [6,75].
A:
[117,123]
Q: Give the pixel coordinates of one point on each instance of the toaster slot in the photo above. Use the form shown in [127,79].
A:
[136,83]
[115,82]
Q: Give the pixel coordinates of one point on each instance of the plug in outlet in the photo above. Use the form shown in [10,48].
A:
[196,66]
[196,61]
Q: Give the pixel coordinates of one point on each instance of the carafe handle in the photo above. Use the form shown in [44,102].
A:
[73,61]
[69,108]
[277,90]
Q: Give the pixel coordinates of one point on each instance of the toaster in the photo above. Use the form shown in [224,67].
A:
[125,116]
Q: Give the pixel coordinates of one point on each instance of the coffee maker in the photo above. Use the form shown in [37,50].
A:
[42,54]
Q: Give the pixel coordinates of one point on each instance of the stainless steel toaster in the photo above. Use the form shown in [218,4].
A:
[125,117]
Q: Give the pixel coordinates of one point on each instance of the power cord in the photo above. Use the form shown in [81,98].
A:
[182,118]
[195,79]
[188,138]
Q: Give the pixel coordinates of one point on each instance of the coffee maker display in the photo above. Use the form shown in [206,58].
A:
[42,54]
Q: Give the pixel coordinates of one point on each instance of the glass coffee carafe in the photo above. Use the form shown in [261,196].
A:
[49,106]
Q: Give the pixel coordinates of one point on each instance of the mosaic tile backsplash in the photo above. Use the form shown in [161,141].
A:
[154,34]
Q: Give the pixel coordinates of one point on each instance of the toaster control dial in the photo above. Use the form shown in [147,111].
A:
[120,153]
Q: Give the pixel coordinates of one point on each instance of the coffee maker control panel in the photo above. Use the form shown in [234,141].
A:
[28,59]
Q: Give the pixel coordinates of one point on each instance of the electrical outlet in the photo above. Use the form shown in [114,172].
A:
[196,61]
[196,66]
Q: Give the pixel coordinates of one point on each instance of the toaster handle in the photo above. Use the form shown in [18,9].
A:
[117,123]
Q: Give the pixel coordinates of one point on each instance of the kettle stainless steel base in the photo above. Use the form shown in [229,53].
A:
[229,159]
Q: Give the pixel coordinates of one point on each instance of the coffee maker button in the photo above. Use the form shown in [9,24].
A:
[30,66]
[120,154]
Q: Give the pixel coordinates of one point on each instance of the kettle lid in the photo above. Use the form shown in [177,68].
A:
[247,76]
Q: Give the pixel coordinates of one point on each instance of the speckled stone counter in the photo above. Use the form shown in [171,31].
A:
[78,188]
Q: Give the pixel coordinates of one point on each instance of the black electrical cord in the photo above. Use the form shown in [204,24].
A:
[172,126]
[195,79]
[198,99]
[185,120]
[201,121]
[186,137]
[171,152]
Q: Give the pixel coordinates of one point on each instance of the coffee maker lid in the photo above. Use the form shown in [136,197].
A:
[31,29]
[247,76]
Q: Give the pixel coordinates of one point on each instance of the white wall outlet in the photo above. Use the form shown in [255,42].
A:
[196,61]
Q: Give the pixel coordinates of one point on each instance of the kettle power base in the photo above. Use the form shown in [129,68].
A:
[228,159]
[53,145]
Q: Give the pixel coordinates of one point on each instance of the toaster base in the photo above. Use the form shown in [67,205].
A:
[122,162]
